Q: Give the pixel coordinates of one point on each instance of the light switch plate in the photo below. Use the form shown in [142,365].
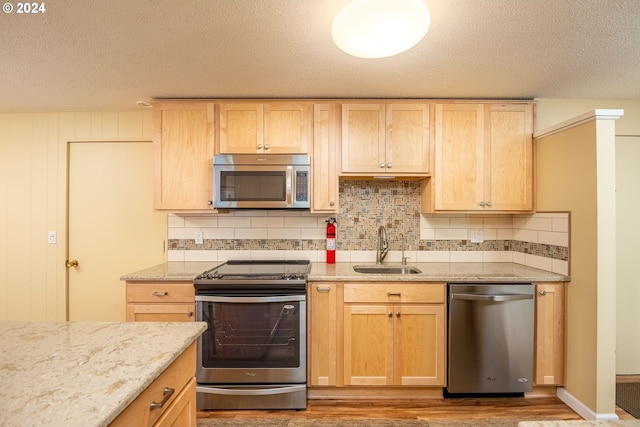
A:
[52,238]
[477,236]
[199,237]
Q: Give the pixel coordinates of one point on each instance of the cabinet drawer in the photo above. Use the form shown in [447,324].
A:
[176,377]
[161,312]
[394,292]
[160,292]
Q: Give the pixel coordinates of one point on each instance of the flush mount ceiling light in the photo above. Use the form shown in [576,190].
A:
[380,28]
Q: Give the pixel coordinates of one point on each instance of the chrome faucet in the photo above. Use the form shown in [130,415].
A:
[404,258]
[383,244]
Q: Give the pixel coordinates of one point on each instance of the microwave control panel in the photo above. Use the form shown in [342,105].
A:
[302,186]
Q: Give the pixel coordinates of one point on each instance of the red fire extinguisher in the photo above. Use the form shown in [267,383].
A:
[331,240]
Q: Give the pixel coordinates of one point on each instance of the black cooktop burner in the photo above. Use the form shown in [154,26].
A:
[255,274]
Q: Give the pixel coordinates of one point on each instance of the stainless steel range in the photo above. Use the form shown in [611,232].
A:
[253,354]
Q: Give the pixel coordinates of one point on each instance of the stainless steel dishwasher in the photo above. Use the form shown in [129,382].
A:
[490,338]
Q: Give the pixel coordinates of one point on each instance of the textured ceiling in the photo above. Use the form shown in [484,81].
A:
[108,54]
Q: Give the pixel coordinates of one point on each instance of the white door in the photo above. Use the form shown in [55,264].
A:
[113,229]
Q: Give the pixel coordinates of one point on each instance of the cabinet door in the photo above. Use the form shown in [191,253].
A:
[241,128]
[459,156]
[183,154]
[419,345]
[509,168]
[323,337]
[407,138]
[160,312]
[550,325]
[182,412]
[287,127]
[368,345]
[325,158]
[363,138]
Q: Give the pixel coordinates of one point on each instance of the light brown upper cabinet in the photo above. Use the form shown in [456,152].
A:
[385,139]
[274,127]
[325,157]
[483,159]
[184,145]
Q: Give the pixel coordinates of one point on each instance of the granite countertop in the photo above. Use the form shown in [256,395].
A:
[82,373]
[172,271]
[438,272]
[343,271]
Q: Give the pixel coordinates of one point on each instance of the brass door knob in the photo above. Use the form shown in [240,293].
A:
[71,263]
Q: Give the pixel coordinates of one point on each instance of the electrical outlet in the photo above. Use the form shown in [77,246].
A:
[199,237]
[477,236]
[52,238]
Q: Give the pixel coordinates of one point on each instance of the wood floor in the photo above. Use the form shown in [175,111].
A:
[457,408]
[536,408]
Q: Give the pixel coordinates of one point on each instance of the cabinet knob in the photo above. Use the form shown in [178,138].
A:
[332,203]
[259,146]
[542,293]
[390,314]
[382,165]
[189,313]
[266,146]
[389,165]
[398,314]
[481,203]
[489,203]
[210,202]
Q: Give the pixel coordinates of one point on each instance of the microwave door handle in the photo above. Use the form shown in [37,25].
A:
[290,185]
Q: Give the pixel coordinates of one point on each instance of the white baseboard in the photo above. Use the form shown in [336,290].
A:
[582,410]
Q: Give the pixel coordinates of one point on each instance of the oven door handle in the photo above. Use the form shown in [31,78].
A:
[251,392]
[251,299]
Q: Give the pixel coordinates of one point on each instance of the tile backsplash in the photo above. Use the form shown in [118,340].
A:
[539,240]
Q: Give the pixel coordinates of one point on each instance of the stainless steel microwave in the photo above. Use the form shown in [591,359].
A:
[271,181]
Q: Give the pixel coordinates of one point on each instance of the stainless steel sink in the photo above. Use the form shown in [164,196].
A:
[381,269]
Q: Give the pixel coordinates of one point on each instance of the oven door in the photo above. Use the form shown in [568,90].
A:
[252,339]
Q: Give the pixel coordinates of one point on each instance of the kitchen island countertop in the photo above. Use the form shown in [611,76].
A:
[82,373]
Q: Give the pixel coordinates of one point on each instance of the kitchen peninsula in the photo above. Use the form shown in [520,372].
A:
[84,373]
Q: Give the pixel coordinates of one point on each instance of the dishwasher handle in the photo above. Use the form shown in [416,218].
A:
[487,297]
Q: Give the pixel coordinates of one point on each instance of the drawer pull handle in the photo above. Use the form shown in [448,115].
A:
[167,393]
[394,294]
[323,289]
[160,294]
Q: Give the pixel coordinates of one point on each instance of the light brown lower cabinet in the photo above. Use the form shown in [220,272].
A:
[169,401]
[399,344]
[323,333]
[377,334]
[160,302]
[550,333]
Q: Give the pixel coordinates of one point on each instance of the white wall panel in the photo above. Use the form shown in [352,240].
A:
[33,168]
